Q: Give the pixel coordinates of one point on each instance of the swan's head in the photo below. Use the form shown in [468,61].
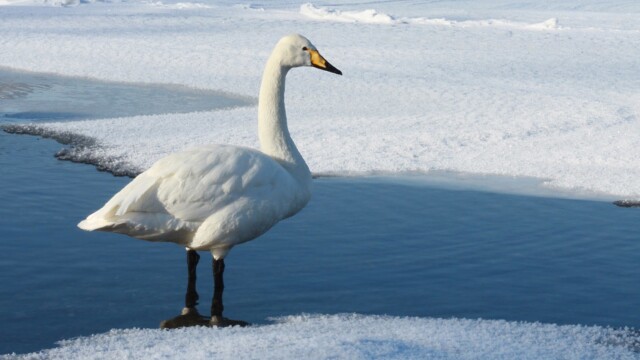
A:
[296,50]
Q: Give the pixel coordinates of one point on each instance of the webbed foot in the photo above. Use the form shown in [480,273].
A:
[188,317]
[219,321]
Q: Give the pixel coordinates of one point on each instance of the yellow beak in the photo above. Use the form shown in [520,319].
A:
[319,62]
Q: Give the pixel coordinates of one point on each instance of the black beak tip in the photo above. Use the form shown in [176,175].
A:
[332,69]
[328,67]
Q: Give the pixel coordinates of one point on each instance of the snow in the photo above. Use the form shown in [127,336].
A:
[357,337]
[371,16]
[543,89]
[496,88]
[540,90]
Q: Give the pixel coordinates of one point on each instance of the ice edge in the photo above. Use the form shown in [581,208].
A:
[80,149]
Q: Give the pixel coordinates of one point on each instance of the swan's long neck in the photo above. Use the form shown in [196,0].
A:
[275,139]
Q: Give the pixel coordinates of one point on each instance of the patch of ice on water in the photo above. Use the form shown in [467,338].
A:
[350,336]
[9,91]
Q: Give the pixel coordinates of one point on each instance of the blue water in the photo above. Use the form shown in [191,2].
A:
[373,246]
[37,96]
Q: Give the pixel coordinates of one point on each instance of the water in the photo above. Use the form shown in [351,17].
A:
[37,96]
[373,246]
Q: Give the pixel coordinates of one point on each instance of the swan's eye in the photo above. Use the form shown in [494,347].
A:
[304,48]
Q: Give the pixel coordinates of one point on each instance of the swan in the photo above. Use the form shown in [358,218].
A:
[218,196]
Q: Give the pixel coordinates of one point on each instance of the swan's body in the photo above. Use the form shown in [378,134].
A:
[208,198]
[218,196]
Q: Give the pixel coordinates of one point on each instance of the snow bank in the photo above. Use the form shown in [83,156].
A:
[358,337]
[371,16]
[561,105]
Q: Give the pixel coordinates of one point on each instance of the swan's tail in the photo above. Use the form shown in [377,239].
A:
[93,224]
[152,227]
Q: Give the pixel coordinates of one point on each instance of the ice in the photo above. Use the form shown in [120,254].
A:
[498,89]
[182,5]
[541,89]
[371,16]
[349,336]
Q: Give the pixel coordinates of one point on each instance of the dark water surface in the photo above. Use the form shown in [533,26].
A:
[373,246]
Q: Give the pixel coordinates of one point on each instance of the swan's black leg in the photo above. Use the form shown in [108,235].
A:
[191,298]
[216,302]
[189,315]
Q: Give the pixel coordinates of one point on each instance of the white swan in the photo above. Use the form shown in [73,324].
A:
[215,197]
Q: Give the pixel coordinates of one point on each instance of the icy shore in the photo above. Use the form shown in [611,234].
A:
[542,90]
[486,88]
[357,337]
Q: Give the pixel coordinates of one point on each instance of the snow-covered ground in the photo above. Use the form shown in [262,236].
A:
[540,89]
[543,89]
[357,337]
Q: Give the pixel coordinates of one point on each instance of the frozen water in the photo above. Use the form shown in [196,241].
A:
[37,96]
[502,88]
[543,89]
[26,96]
[359,337]
[371,16]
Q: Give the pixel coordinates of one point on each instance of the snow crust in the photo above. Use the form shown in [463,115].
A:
[371,16]
[486,87]
[455,86]
[482,87]
[357,337]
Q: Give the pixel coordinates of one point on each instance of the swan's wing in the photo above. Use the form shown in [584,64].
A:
[180,191]
[212,178]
